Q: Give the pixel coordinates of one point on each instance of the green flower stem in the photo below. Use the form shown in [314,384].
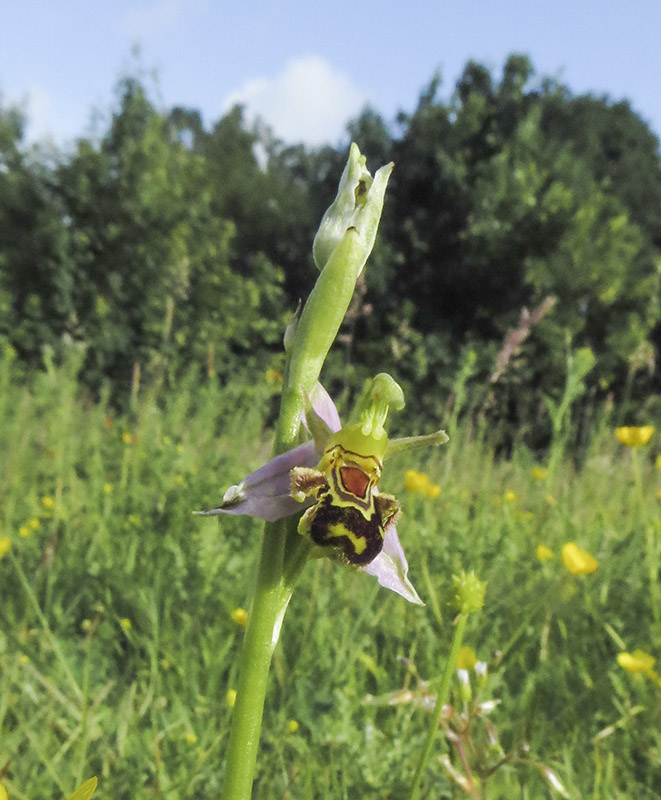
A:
[268,608]
[651,551]
[283,556]
[29,591]
[441,700]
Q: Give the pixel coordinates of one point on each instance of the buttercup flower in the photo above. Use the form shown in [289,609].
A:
[638,661]
[634,437]
[335,478]
[577,561]
[240,616]
[419,482]
[539,473]
[543,552]
[467,658]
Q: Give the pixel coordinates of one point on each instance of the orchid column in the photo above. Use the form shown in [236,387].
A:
[341,248]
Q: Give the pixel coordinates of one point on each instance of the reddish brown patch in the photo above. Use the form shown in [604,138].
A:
[355,481]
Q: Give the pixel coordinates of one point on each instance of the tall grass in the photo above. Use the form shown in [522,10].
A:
[117,648]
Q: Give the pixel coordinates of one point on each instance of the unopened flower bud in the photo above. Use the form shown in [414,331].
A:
[358,206]
[469,592]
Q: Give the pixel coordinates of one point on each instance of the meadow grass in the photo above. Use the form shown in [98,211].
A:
[118,648]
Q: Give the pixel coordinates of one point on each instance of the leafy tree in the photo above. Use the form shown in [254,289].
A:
[154,259]
[36,272]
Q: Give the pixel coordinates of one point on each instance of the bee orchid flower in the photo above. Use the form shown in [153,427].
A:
[334,478]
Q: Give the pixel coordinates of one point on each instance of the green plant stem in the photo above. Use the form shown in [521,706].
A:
[268,608]
[276,575]
[651,552]
[441,700]
[29,591]
[317,328]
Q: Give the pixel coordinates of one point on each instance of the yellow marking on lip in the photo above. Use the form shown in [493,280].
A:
[359,542]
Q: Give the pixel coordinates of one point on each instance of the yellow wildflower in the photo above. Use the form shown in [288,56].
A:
[577,561]
[5,545]
[47,502]
[24,531]
[634,436]
[419,482]
[3,793]
[539,473]
[510,496]
[189,737]
[107,488]
[292,726]
[273,377]
[543,552]
[33,524]
[240,616]
[550,500]
[125,624]
[636,662]
[467,658]
[658,461]
[127,438]
[231,698]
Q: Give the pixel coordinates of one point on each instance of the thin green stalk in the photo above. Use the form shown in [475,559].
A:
[441,700]
[268,608]
[84,715]
[650,539]
[45,626]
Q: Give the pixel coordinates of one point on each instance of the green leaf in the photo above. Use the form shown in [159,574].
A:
[85,790]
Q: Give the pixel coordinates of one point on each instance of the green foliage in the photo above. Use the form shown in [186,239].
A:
[165,243]
[142,269]
[117,646]
[492,215]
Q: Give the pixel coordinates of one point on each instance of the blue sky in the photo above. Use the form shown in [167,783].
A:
[307,67]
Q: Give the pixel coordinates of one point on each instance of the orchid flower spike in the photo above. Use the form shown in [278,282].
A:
[335,478]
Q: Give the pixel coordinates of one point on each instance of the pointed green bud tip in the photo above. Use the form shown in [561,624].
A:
[469,592]
[358,206]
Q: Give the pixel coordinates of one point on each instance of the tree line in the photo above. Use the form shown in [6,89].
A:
[522,223]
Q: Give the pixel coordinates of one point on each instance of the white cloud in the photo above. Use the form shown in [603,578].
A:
[309,101]
[50,118]
[142,22]
[39,110]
